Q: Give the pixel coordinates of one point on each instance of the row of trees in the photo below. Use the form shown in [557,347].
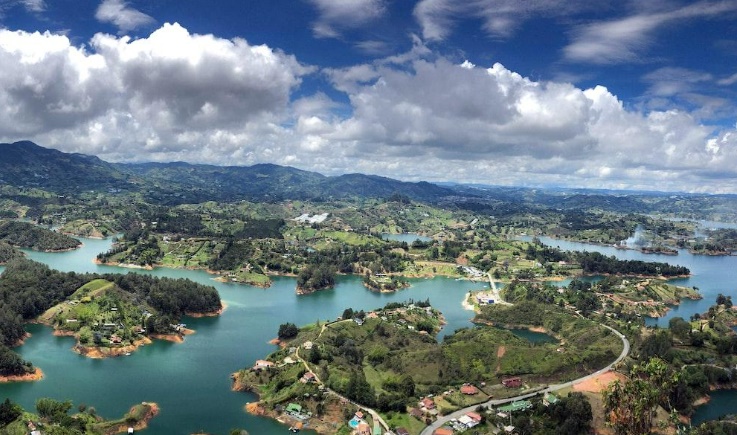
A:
[597,263]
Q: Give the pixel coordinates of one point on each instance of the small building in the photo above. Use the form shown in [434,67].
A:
[515,382]
[467,421]
[519,405]
[308,378]
[359,415]
[307,345]
[550,399]
[443,431]
[427,403]
[401,431]
[469,390]
[358,320]
[475,416]
[294,408]
[262,364]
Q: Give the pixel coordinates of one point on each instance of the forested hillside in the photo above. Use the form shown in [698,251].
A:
[27,235]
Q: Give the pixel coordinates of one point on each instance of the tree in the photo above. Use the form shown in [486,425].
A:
[52,410]
[9,412]
[679,327]
[630,407]
[287,331]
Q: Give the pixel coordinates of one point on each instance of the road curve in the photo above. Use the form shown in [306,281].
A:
[494,402]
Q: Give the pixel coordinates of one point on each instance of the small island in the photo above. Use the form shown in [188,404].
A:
[53,416]
[110,315]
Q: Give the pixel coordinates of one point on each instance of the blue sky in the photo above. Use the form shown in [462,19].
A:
[624,95]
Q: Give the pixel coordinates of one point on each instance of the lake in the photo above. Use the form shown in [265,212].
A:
[190,381]
[711,274]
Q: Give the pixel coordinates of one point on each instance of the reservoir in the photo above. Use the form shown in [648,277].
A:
[710,274]
[190,381]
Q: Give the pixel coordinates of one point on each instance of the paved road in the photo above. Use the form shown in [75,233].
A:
[495,402]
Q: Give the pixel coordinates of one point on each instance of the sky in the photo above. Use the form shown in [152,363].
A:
[632,94]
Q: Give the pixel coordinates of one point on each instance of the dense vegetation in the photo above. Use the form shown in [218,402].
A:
[27,235]
[8,252]
[28,288]
[56,418]
[388,359]
[599,264]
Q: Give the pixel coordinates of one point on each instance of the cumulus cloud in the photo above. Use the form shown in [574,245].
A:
[168,92]
[493,125]
[120,14]
[338,15]
[500,17]
[628,38]
[179,96]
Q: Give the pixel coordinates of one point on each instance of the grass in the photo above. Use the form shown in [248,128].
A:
[395,419]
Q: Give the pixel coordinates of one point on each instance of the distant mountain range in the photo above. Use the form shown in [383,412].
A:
[25,164]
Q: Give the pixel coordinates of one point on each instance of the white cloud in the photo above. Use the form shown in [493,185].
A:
[35,5]
[120,14]
[337,15]
[199,98]
[168,93]
[495,126]
[670,81]
[727,81]
[627,39]
[500,17]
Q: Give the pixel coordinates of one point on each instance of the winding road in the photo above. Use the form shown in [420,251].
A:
[495,402]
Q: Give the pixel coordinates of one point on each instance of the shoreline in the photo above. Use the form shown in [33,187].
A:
[36,375]
[100,352]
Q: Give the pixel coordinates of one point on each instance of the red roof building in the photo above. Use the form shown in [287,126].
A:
[475,416]
[512,382]
[427,403]
[469,390]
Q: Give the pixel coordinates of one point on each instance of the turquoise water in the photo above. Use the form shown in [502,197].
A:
[711,274]
[354,422]
[190,381]
[405,237]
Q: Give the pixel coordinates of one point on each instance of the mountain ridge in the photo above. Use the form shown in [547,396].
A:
[26,164]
